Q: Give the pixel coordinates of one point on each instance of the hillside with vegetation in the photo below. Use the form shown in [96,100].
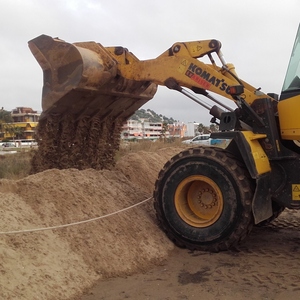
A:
[152,116]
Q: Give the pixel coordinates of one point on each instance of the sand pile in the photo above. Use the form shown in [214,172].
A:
[62,263]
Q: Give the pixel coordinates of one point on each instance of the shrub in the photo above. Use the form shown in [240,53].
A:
[15,166]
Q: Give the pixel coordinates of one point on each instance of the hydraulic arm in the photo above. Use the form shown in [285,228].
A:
[180,66]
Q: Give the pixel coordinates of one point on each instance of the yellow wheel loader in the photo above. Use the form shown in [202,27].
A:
[206,198]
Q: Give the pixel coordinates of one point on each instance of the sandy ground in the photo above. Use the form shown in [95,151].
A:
[63,263]
[266,266]
[126,256]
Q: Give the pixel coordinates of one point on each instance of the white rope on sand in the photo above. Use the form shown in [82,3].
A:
[75,223]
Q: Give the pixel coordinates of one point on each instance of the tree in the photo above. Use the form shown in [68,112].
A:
[164,129]
[5,117]
[200,128]
[12,130]
[214,127]
[18,132]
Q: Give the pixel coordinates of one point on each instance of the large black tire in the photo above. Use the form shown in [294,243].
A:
[203,199]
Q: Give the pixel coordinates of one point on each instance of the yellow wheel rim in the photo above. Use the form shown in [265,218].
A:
[199,201]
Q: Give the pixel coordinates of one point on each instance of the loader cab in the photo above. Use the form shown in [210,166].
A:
[289,104]
[291,85]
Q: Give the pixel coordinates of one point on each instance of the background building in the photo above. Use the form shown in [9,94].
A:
[142,129]
[177,129]
[23,125]
[191,129]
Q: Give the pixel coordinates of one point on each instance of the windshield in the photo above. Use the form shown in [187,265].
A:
[292,78]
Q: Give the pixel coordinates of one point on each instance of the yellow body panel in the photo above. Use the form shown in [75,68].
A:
[261,160]
[296,192]
[288,112]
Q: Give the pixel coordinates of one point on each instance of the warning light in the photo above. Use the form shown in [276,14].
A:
[236,90]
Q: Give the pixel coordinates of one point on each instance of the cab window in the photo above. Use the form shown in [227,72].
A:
[292,79]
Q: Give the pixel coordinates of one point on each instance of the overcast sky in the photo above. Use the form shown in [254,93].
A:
[257,37]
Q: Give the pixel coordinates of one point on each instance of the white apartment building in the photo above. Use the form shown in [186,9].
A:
[191,129]
[142,129]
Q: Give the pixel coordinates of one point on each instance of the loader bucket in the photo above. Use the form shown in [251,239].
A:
[85,103]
